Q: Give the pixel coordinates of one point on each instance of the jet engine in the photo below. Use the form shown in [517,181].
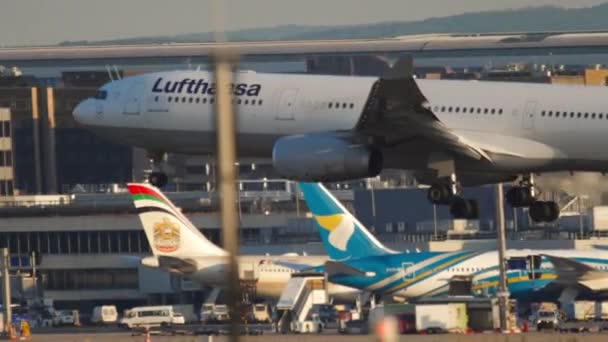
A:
[321,158]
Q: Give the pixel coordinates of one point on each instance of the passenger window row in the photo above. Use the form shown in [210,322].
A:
[283,270]
[204,100]
[572,115]
[465,110]
[338,105]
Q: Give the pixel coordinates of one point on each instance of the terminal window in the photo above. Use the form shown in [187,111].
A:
[5,129]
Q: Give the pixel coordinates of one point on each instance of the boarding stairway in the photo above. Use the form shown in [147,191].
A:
[213,296]
[297,299]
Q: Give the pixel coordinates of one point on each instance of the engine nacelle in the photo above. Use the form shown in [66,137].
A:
[323,158]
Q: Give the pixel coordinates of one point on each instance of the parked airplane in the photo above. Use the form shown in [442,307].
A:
[323,128]
[359,260]
[179,247]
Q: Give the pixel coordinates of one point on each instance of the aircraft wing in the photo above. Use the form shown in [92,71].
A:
[335,268]
[176,265]
[293,265]
[398,111]
[573,273]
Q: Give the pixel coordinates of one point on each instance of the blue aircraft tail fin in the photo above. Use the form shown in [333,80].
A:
[343,235]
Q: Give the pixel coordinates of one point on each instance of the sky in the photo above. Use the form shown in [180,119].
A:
[35,22]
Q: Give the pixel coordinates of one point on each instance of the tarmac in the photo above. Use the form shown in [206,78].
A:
[325,337]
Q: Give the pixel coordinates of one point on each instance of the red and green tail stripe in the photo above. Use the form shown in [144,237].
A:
[139,192]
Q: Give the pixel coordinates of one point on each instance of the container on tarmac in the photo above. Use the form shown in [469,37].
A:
[441,317]
[599,217]
[378,313]
[602,310]
[581,310]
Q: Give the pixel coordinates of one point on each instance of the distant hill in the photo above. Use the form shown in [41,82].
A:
[546,18]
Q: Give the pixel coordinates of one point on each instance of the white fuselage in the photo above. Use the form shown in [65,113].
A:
[269,274]
[528,127]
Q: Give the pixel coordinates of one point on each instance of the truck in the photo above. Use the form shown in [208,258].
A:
[547,319]
[213,313]
[437,318]
[65,317]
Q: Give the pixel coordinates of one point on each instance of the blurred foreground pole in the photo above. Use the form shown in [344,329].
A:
[6,289]
[226,145]
[502,292]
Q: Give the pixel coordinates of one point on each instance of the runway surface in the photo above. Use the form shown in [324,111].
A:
[328,336]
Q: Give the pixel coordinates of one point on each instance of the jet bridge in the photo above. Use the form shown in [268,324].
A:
[301,293]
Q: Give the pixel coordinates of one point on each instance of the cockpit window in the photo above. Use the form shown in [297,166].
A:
[101,95]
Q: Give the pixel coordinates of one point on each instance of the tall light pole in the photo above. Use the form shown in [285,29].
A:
[503,292]
[435,226]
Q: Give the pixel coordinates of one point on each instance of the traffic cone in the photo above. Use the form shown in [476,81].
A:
[148,338]
[12,333]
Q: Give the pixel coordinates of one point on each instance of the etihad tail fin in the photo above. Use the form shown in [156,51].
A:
[343,235]
[168,231]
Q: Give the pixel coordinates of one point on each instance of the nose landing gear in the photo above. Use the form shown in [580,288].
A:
[157,177]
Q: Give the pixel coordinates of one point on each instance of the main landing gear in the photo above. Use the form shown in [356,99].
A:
[448,192]
[525,195]
[157,177]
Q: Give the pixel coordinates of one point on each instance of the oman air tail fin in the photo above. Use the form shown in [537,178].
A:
[343,235]
[168,231]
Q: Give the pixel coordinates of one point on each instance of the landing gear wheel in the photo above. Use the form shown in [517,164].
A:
[520,196]
[544,211]
[554,209]
[464,209]
[440,194]
[158,179]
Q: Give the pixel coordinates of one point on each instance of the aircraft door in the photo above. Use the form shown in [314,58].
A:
[248,271]
[156,103]
[534,268]
[287,104]
[132,104]
[529,115]
[408,273]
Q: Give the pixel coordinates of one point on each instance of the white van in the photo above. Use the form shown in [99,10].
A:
[151,316]
[105,314]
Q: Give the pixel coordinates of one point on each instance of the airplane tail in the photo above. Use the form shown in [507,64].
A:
[168,231]
[343,235]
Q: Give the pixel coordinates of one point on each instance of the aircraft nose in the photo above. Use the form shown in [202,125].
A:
[84,112]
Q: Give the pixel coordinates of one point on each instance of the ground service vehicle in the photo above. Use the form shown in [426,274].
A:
[547,320]
[151,316]
[220,313]
[105,314]
[314,325]
[261,313]
[206,314]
